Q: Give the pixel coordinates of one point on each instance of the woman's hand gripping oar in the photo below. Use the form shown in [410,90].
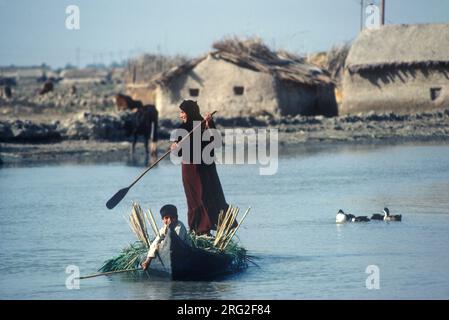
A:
[116,198]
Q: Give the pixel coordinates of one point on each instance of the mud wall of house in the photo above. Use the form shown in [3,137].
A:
[223,86]
[406,90]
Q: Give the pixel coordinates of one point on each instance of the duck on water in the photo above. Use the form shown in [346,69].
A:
[386,216]
[391,217]
[343,217]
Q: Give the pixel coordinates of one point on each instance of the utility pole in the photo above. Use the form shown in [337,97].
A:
[361,15]
[382,13]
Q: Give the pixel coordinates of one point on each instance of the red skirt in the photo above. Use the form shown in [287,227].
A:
[205,197]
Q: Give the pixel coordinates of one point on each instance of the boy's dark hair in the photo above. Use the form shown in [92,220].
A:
[169,210]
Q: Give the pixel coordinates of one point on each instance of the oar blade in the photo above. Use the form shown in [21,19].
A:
[116,198]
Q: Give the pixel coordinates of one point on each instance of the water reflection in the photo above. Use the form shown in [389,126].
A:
[160,288]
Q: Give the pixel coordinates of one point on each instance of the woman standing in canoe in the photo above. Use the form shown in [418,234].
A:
[205,198]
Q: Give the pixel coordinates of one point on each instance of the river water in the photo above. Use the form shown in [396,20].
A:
[55,216]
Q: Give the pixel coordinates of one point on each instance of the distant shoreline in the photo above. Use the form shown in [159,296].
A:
[88,137]
[293,139]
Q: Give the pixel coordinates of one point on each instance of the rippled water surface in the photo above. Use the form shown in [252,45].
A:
[55,216]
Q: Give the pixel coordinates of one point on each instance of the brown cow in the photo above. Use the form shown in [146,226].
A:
[144,122]
[125,102]
[48,86]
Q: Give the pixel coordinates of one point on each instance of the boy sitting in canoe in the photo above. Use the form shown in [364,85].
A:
[169,215]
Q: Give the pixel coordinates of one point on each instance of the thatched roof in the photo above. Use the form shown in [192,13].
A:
[254,55]
[400,45]
[333,60]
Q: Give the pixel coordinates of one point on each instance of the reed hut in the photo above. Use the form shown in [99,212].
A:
[241,78]
[398,68]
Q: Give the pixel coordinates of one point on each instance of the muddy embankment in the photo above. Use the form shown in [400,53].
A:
[95,137]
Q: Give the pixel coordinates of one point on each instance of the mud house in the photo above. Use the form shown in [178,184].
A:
[398,68]
[242,78]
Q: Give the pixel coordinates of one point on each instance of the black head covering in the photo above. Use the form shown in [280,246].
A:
[169,210]
[192,110]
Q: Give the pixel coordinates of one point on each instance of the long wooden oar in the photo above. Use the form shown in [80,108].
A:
[108,273]
[116,198]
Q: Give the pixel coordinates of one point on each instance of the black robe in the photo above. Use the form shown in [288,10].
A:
[204,194]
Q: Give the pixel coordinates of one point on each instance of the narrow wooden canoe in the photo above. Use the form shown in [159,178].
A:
[179,261]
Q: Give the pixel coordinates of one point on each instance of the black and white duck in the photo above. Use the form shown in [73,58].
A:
[343,217]
[391,217]
[360,219]
[377,216]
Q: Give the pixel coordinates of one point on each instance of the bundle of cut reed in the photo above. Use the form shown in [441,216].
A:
[226,227]
[131,256]
[223,242]
[138,222]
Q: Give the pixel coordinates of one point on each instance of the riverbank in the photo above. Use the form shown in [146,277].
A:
[96,138]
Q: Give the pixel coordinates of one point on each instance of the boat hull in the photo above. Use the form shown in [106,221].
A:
[179,261]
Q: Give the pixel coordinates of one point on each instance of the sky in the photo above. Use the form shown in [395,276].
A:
[34,32]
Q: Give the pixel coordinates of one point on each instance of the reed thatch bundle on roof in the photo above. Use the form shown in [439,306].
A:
[332,61]
[336,59]
[400,45]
